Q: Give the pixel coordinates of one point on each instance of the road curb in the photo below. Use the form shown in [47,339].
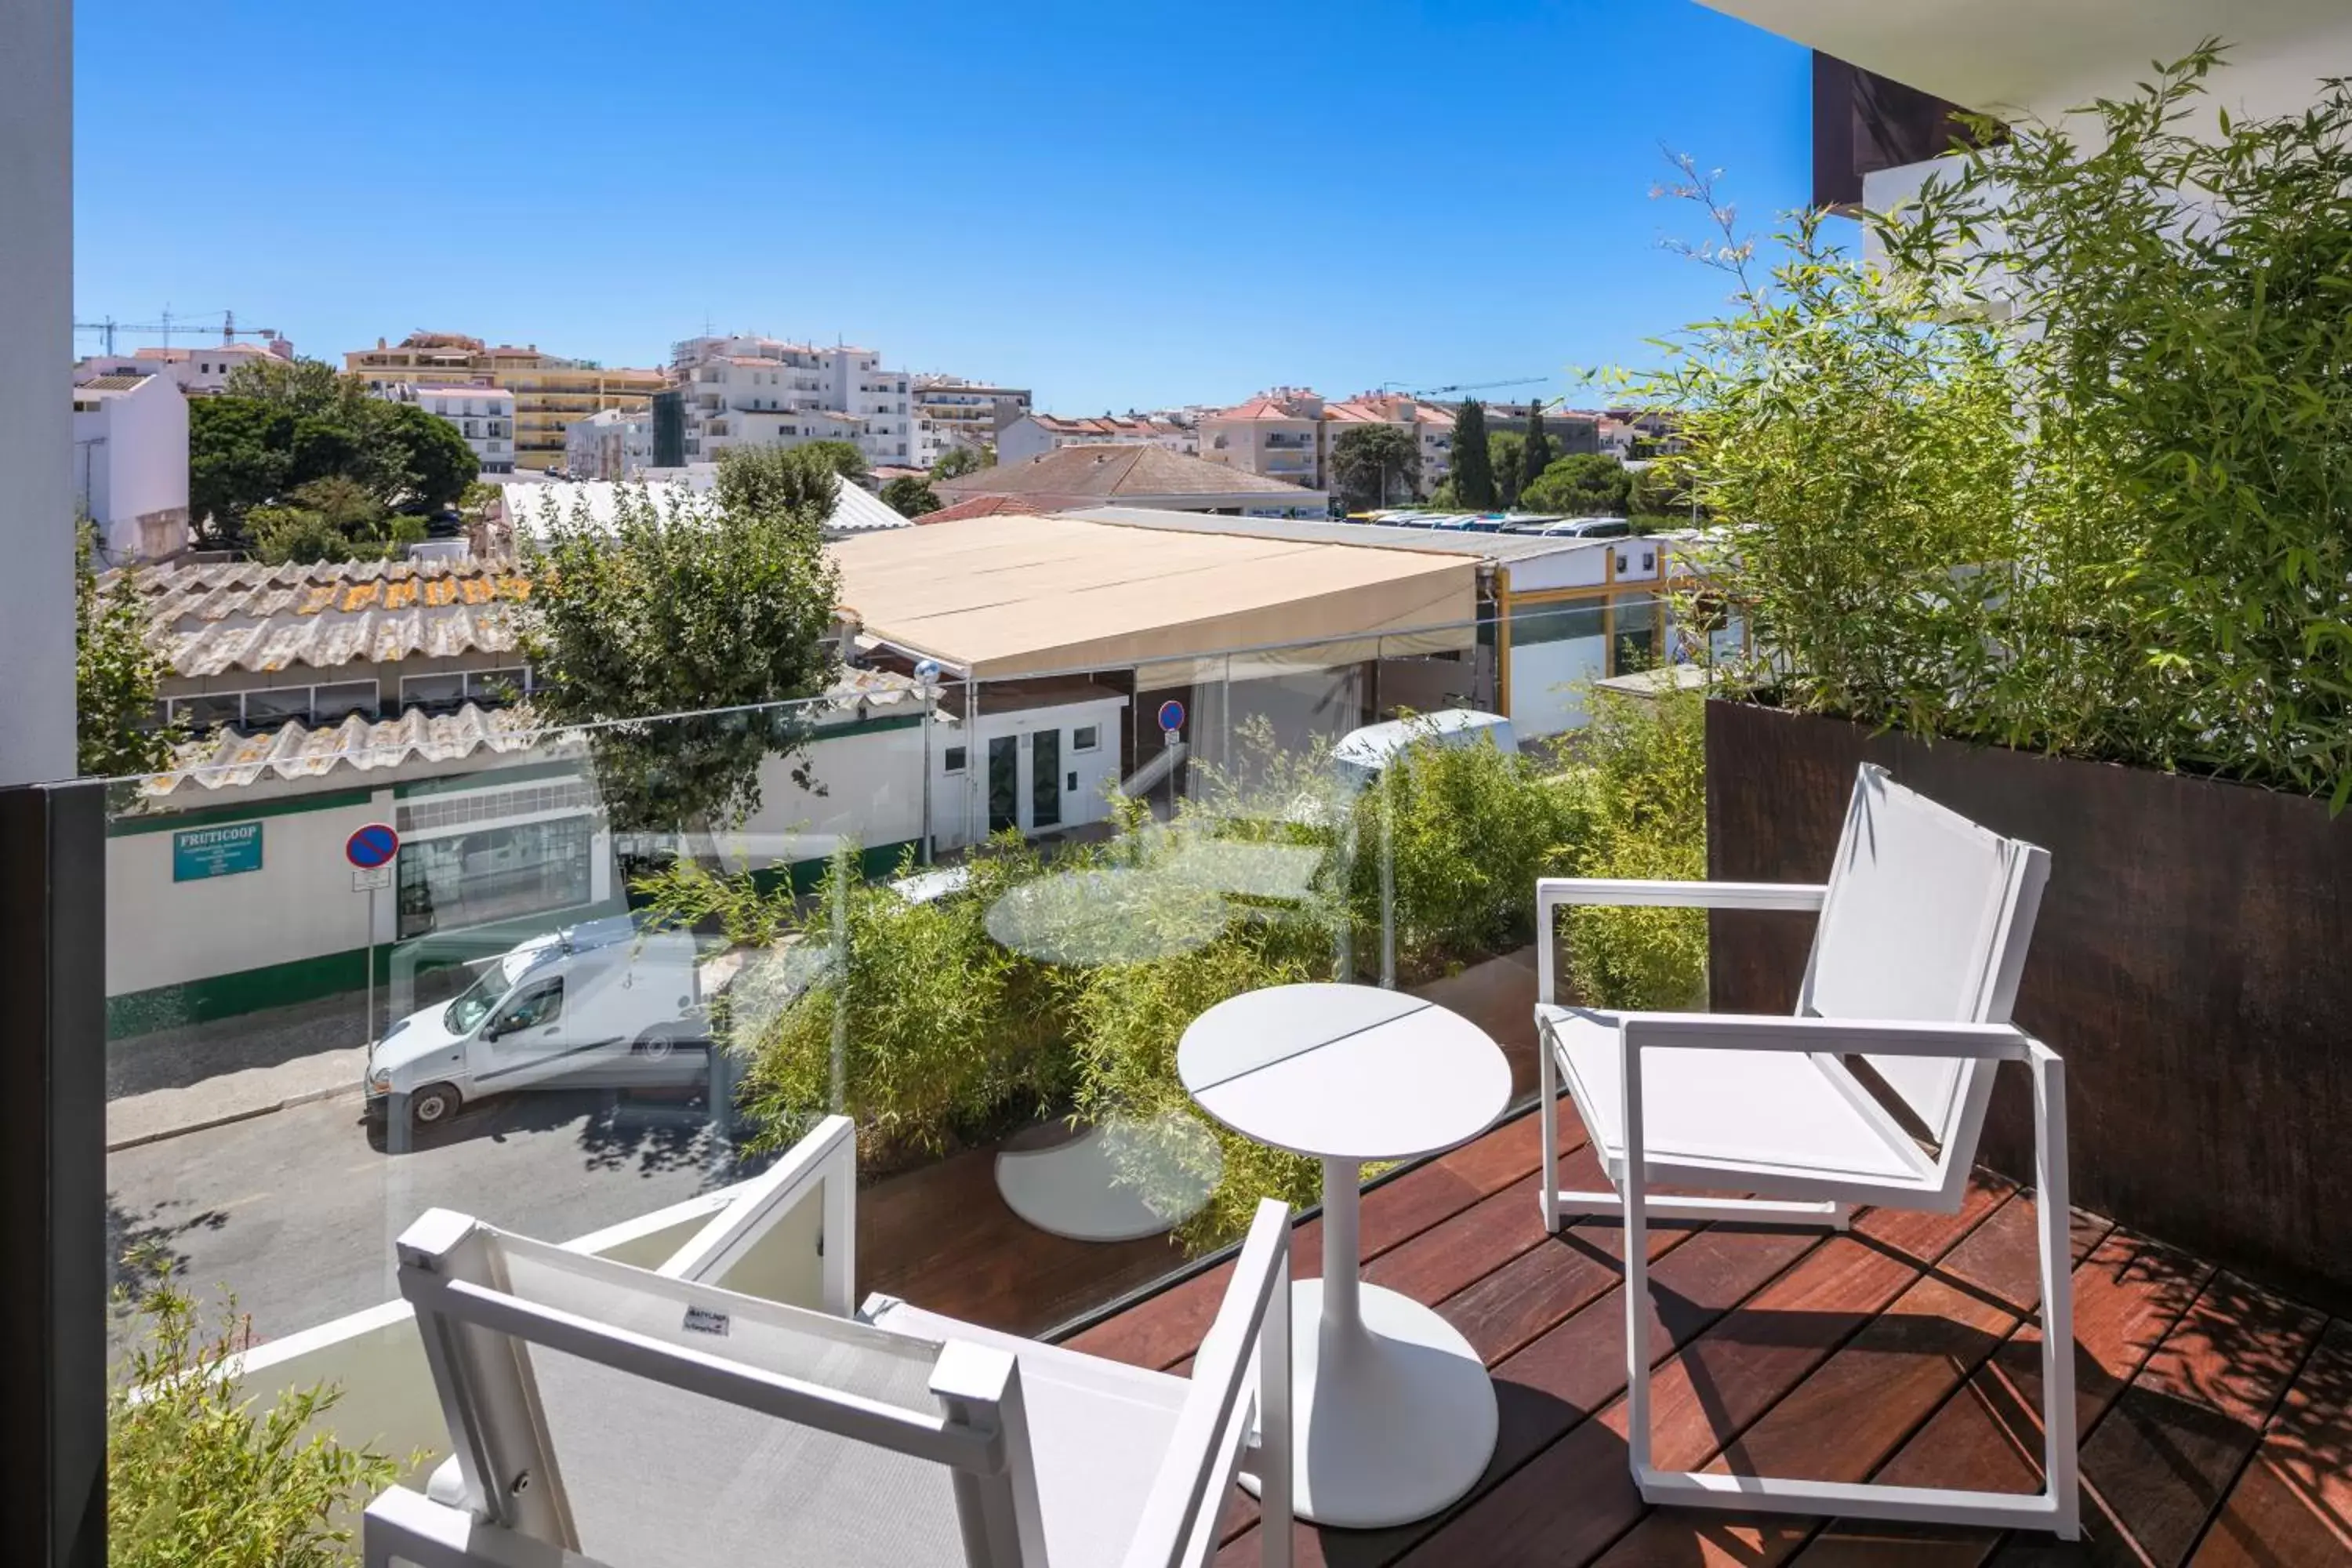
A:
[115,1146]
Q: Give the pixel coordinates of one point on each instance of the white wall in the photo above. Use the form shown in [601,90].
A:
[130,469]
[871,787]
[959,799]
[36,599]
[299,905]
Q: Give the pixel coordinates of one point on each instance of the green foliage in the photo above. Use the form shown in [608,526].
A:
[1127,1020]
[1372,463]
[331,518]
[942,1030]
[1585,485]
[1505,453]
[842,457]
[116,673]
[1474,474]
[957,462]
[1535,450]
[1645,816]
[195,1476]
[1469,829]
[433,461]
[910,496]
[717,607]
[2073,479]
[280,425]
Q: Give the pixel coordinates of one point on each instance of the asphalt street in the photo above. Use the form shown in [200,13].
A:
[295,1213]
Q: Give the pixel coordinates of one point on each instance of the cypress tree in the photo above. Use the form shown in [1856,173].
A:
[1535,456]
[1474,472]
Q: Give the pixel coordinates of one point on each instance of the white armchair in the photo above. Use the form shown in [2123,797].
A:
[1874,1092]
[602,1413]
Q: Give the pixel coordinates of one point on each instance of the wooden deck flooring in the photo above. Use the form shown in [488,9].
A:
[2216,1419]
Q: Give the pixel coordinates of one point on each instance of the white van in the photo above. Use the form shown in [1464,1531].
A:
[605,1002]
[1362,754]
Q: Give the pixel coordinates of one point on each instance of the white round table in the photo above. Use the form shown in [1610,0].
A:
[1393,1411]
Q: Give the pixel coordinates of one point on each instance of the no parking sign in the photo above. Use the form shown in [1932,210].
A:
[1171,718]
[371,846]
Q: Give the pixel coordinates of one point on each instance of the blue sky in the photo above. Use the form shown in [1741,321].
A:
[1115,204]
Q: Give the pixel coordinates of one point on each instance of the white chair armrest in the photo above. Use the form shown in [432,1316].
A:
[1180,1516]
[1843,1037]
[1556,893]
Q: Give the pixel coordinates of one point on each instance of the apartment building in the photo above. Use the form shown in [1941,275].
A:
[484,415]
[1034,434]
[1430,425]
[614,444]
[1287,432]
[1277,435]
[757,391]
[952,412]
[550,391]
[130,464]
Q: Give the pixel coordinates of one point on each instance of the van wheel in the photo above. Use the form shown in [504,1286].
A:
[654,1045]
[431,1105]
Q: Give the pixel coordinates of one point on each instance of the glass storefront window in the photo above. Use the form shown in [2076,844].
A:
[494,873]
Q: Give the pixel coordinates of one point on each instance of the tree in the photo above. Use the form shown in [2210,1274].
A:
[1371,462]
[115,674]
[1473,479]
[1504,451]
[910,496]
[957,462]
[717,607]
[333,519]
[1586,485]
[780,481]
[1536,456]
[281,425]
[434,463]
[842,457]
[240,453]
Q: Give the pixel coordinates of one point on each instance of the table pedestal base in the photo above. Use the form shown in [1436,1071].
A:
[1395,1414]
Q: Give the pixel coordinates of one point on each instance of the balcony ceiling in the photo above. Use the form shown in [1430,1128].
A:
[2033,55]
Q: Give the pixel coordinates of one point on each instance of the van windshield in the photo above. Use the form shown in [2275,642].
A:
[474,1004]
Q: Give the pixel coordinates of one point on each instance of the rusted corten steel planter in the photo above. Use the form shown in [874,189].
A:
[2193,964]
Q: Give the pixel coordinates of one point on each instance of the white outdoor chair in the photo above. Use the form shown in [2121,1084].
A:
[608,1414]
[1922,930]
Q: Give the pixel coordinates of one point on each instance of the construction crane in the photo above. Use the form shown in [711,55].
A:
[229,330]
[1464,386]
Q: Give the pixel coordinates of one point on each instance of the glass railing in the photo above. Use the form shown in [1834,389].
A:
[587,982]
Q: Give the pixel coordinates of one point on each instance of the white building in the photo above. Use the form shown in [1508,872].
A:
[196,372]
[130,464]
[1034,434]
[952,412]
[754,391]
[613,444]
[484,415]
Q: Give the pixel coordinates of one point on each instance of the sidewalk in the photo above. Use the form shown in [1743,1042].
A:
[234,1096]
[195,1076]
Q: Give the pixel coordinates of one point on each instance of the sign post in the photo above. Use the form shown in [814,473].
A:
[371,850]
[1171,732]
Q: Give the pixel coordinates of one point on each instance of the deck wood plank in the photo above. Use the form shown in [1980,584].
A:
[2293,1501]
[2127,1294]
[1164,1330]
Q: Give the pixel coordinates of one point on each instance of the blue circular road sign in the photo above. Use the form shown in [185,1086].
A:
[1172,716]
[371,845]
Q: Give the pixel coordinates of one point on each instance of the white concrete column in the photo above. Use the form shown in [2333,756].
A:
[36,508]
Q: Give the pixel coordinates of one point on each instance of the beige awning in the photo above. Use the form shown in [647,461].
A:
[1013,596]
